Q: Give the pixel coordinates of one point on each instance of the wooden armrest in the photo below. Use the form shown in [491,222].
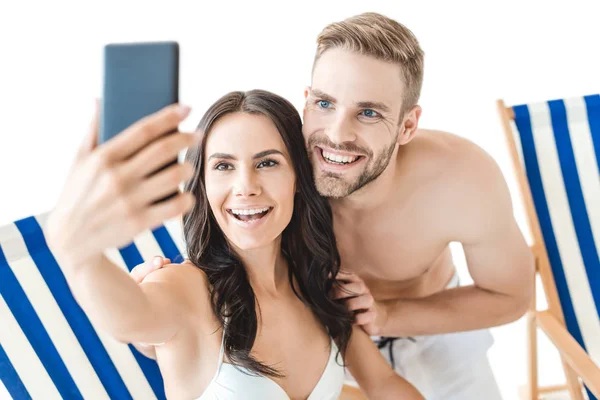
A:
[351,393]
[571,351]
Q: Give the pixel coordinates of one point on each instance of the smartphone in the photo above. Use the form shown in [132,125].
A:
[139,80]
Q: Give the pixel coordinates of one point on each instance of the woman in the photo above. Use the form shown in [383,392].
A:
[247,316]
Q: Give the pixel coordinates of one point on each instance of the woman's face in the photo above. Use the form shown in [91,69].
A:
[250,180]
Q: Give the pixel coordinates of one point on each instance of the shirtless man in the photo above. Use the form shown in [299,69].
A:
[400,195]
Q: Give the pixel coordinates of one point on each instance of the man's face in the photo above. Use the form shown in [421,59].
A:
[351,120]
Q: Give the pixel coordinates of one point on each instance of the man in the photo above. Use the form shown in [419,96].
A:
[400,195]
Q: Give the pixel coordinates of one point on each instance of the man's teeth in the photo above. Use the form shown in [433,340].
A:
[339,159]
[250,212]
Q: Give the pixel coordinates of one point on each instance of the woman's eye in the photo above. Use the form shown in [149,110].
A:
[267,163]
[223,167]
[324,103]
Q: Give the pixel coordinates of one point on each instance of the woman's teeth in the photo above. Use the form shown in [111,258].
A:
[337,159]
[250,214]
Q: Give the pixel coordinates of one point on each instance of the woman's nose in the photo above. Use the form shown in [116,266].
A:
[246,185]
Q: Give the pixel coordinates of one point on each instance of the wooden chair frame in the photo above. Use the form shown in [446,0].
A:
[576,362]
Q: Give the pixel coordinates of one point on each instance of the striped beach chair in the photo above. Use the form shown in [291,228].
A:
[49,349]
[555,147]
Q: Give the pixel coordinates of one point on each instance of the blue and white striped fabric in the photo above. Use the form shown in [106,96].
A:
[49,349]
[559,142]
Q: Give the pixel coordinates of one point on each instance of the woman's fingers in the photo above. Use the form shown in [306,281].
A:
[145,131]
[89,142]
[174,207]
[161,184]
[158,154]
[127,207]
[121,222]
[101,204]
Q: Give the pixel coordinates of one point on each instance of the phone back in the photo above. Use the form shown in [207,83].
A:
[139,79]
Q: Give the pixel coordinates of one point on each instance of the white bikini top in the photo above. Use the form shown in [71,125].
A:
[233,382]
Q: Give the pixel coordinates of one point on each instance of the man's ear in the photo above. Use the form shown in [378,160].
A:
[306,93]
[408,126]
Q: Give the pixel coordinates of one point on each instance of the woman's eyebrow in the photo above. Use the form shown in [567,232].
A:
[257,155]
[222,155]
[267,153]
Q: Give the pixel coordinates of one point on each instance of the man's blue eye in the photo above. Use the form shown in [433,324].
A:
[370,113]
[324,104]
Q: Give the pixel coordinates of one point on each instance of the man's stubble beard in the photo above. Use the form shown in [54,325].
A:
[330,184]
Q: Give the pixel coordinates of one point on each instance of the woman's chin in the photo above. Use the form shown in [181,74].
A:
[249,243]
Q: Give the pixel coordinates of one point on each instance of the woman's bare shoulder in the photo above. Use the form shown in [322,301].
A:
[187,280]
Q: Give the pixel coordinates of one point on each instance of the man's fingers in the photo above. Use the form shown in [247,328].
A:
[364,318]
[141,271]
[360,303]
[145,131]
[351,289]
[347,276]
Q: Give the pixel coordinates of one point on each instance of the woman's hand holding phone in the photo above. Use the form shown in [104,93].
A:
[111,194]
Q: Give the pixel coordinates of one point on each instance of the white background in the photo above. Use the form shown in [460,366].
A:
[475,53]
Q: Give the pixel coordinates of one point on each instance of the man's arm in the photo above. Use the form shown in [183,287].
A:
[478,213]
[498,259]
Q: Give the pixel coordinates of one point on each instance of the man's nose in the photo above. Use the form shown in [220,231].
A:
[342,129]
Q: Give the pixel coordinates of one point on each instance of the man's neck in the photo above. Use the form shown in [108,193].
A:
[371,196]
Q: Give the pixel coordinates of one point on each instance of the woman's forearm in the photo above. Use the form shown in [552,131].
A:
[372,372]
[112,300]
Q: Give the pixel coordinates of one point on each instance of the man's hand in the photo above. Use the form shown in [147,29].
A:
[370,314]
[141,271]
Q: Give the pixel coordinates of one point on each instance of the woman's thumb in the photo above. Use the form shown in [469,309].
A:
[91,139]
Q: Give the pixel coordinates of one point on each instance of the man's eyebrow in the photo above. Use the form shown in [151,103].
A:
[362,104]
[322,95]
[374,105]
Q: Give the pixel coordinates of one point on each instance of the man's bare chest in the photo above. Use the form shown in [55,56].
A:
[390,252]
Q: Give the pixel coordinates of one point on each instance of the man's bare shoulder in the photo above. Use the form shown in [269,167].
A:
[452,159]
[465,179]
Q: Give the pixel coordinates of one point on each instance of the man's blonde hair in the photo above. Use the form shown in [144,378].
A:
[378,36]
